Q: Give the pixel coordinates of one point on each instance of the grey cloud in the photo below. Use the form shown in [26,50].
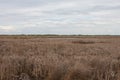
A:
[62,17]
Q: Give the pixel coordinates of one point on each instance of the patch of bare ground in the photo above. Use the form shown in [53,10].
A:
[88,42]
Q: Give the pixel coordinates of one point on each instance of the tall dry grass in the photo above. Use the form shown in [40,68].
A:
[59,59]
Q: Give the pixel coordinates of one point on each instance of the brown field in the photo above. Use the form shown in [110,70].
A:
[59,57]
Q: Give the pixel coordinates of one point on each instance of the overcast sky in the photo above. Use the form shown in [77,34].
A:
[60,17]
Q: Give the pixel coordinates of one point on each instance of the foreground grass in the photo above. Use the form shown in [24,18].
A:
[30,58]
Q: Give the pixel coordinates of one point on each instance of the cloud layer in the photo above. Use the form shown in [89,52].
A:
[60,17]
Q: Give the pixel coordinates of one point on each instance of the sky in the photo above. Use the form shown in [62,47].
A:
[86,17]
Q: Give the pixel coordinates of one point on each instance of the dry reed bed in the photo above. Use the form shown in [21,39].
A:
[59,59]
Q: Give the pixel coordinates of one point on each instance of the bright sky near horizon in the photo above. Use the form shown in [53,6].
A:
[94,17]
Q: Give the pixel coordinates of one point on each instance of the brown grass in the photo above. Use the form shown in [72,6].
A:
[46,58]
